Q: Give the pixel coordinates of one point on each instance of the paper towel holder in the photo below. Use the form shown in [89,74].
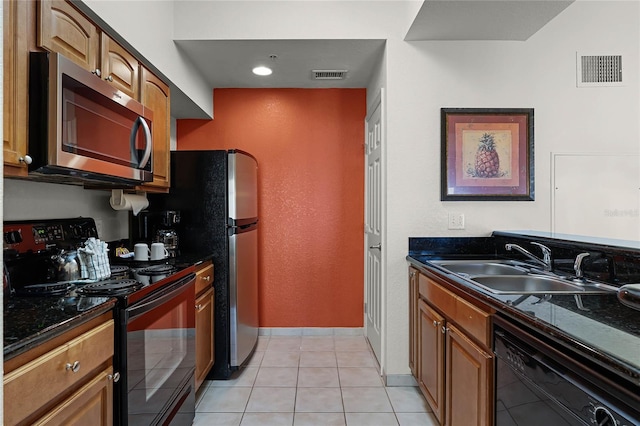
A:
[118,201]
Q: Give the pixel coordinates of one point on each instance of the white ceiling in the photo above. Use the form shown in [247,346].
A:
[228,63]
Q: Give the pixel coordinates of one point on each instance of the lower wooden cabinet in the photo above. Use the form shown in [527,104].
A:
[205,351]
[204,335]
[68,380]
[90,405]
[431,358]
[469,372]
[454,366]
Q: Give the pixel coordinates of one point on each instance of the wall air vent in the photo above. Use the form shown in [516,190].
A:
[599,70]
[329,74]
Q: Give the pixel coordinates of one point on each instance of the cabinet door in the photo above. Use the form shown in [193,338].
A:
[65,30]
[120,68]
[16,25]
[431,356]
[413,321]
[204,336]
[469,381]
[155,95]
[92,404]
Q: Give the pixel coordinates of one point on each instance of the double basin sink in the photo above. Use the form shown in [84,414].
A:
[513,277]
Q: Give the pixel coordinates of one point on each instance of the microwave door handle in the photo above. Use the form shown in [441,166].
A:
[132,141]
[148,144]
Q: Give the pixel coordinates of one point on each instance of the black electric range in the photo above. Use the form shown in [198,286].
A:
[154,312]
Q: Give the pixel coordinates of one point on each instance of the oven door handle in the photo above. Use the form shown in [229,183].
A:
[169,293]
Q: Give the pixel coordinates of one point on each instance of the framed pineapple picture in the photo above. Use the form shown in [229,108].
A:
[487,154]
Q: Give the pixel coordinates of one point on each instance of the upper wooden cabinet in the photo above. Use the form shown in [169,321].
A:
[155,95]
[119,67]
[17,18]
[57,26]
[62,28]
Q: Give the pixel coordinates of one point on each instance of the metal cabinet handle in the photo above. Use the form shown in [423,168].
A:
[75,367]
[377,246]
[207,278]
[435,323]
[110,78]
[97,72]
[444,330]
[26,159]
[199,307]
[115,377]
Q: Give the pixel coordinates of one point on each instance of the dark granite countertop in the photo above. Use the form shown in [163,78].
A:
[608,333]
[30,321]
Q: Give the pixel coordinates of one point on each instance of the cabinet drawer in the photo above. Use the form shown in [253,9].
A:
[473,321]
[204,278]
[437,296]
[51,375]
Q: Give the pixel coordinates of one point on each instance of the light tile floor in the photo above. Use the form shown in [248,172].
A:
[310,381]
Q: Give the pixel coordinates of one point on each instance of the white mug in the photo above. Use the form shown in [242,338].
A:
[158,251]
[141,251]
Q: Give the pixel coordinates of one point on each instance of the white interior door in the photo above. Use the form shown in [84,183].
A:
[374,226]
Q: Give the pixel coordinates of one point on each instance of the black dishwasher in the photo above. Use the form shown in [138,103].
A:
[538,382]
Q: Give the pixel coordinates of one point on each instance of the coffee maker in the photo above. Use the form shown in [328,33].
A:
[158,227]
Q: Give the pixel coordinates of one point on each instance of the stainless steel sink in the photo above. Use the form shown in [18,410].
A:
[481,268]
[537,284]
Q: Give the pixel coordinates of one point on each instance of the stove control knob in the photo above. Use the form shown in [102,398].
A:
[603,417]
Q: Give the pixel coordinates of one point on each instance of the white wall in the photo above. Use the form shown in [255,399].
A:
[148,27]
[25,200]
[424,76]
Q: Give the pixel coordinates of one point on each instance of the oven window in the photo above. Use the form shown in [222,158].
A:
[160,357]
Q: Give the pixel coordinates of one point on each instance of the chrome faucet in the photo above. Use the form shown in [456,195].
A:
[546,254]
[577,266]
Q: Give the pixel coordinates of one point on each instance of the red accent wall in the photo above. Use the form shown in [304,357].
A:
[310,149]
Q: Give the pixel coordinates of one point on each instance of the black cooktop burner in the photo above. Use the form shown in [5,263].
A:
[157,270]
[110,287]
[46,289]
[119,271]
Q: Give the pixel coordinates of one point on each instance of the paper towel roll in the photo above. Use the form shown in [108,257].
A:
[121,201]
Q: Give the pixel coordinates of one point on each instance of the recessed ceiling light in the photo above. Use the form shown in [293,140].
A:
[262,71]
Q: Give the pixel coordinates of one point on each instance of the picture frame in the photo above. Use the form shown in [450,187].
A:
[487,154]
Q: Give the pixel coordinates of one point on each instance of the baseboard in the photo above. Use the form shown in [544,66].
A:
[311,331]
[400,380]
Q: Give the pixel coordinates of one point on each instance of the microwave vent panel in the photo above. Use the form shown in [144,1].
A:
[329,74]
[599,70]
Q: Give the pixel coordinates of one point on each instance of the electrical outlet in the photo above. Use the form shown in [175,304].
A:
[456,220]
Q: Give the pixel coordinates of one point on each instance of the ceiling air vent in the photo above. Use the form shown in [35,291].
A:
[329,74]
[599,70]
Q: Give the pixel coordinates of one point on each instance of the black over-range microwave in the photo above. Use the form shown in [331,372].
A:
[82,127]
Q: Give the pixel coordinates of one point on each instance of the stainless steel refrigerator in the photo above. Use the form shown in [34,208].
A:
[216,193]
